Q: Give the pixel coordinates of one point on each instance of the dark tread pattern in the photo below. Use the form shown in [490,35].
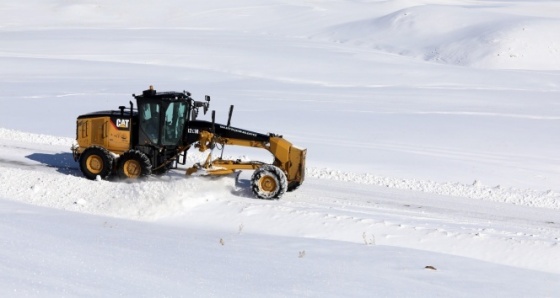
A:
[145,164]
[277,174]
[105,155]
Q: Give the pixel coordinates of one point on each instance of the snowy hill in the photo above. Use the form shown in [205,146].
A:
[469,35]
[431,131]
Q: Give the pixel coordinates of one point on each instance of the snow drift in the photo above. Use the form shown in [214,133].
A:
[461,35]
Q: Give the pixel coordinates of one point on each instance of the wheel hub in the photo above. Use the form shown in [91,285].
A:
[132,169]
[94,164]
[268,183]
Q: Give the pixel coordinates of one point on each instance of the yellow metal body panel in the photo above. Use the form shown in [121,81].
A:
[101,131]
[289,158]
[286,156]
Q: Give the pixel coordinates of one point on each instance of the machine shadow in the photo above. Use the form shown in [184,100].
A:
[63,162]
[243,188]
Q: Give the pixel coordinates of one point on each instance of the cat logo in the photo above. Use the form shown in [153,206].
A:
[122,123]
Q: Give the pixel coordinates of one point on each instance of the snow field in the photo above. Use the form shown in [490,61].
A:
[333,205]
[431,130]
[109,255]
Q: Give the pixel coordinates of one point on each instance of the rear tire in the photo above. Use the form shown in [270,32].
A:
[96,161]
[134,164]
[269,182]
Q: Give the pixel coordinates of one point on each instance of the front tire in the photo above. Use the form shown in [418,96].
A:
[96,161]
[134,164]
[269,182]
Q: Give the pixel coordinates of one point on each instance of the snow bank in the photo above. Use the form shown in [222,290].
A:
[139,200]
[525,197]
[19,136]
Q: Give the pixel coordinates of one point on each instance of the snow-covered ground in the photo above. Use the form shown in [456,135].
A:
[431,128]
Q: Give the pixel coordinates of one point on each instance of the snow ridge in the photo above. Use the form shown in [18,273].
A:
[20,136]
[525,197]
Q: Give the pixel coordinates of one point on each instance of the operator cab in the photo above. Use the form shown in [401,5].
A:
[162,117]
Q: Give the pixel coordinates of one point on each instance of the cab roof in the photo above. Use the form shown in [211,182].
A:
[168,95]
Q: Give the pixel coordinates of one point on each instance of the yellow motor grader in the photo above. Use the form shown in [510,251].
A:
[133,143]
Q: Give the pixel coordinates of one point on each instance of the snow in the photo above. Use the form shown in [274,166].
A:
[431,133]
[447,34]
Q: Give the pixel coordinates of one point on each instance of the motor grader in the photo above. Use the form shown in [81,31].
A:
[132,143]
